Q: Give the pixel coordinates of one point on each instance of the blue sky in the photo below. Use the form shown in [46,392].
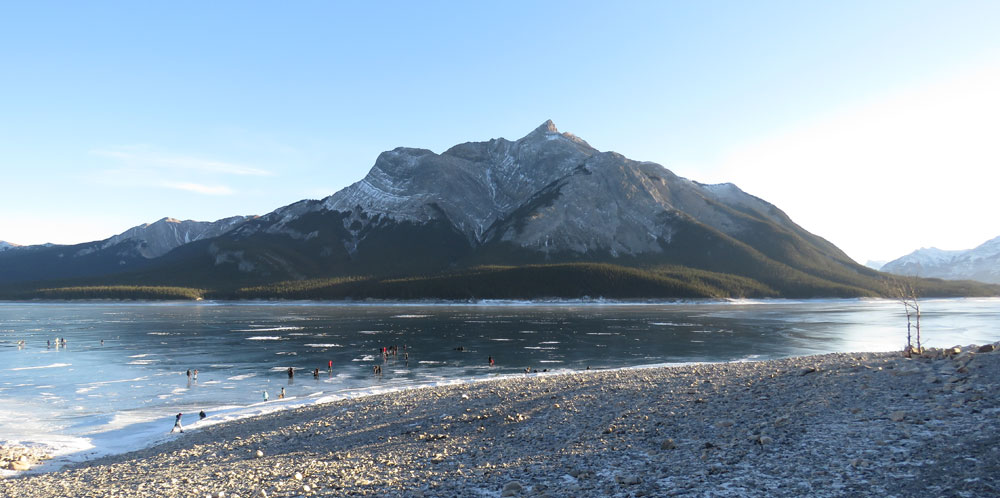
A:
[872,124]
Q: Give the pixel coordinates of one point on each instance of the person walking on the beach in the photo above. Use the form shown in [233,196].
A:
[195,374]
[177,424]
[265,394]
[291,372]
[329,365]
[281,395]
[491,361]
[189,374]
[201,415]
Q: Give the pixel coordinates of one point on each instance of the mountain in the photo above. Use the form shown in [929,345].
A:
[546,198]
[546,215]
[5,246]
[132,249]
[875,264]
[981,263]
[153,240]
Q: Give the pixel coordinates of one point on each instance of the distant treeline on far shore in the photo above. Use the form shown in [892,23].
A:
[566,280]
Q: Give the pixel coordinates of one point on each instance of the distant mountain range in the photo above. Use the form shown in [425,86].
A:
[546,215]
[132,249]
[981,263]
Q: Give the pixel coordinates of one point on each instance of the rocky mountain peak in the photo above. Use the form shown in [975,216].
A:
[546,130]
[548,126]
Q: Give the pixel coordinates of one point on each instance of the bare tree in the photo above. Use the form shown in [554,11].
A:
[904,292]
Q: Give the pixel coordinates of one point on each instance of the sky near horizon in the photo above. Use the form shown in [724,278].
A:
[875,125]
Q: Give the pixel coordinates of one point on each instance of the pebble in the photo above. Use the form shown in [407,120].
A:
[833,433]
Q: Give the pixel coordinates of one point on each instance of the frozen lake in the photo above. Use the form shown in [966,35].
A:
[119,379]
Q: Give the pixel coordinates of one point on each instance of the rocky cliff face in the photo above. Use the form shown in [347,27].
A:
[981,263]
[473,184]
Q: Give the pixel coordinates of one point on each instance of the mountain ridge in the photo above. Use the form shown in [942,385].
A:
[981,263]
[134,248]
[548,202]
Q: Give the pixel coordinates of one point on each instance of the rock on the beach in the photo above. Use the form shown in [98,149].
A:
[258,454]
[512,488]
[987,348]
[629,480]
[668,444]
[298,476]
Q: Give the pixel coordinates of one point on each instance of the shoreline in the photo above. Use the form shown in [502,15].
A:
[826,425]
[41,457]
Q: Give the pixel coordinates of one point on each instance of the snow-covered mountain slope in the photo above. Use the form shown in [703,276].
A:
[981,263]
[5,246]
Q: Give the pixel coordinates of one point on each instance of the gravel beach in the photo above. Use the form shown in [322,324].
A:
[846,424]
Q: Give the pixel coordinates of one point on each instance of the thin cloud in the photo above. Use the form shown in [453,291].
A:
[199,188]
[143,156]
